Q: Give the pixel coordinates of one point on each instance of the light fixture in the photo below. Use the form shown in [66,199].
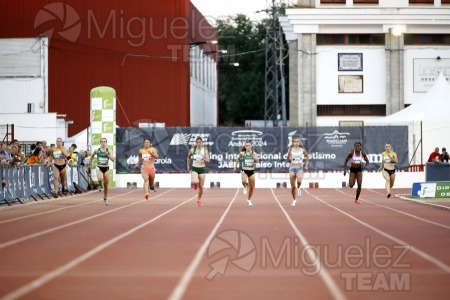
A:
[215,51]
[192,44]
[224,65]
[395,30]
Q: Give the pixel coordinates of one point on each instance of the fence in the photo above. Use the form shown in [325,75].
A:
[36,181]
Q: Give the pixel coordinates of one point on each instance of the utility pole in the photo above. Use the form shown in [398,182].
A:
[275,90]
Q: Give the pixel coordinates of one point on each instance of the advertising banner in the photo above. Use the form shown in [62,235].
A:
[103,124]
[327,146]
[439,189]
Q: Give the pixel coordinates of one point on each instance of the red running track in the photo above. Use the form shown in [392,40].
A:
[326,247]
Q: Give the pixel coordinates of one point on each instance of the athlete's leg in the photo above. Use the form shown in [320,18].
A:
[194,177]
[201,183]
[351,181]
[392,179]
[387,182]
[244,179]
[56,179]
[299,182]
[145,177]
[151,179]
[62,173]
[292,179]
[251,186]
[99,178]
[359,177]
[105,184]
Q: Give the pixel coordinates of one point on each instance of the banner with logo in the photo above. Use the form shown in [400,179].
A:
[103,124]
[439,189]
[327,146]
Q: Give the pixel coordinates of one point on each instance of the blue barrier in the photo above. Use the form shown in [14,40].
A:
[36,181]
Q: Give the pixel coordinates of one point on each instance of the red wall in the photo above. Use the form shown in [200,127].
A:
[140,48]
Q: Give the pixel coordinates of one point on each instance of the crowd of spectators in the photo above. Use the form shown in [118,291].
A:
[438,157]
[12,154]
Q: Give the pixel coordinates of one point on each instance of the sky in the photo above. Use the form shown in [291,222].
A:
[221,9]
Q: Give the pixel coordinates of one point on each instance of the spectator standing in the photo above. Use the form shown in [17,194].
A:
[81,157]
[445,156]
[35,157]
[435,156]
[44,149]
[73,155]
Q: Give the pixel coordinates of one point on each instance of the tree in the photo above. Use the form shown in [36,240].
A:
[241,89]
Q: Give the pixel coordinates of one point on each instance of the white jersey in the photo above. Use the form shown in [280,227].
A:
[357,160]
[297,156]
[198,156]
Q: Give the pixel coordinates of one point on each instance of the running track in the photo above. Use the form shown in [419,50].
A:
[326,247]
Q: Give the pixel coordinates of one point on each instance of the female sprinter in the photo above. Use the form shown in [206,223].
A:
[147,155]
[103,157]
[200,156]
[296,154]
[387,166]
[356,157]
[58,158]
[249,158]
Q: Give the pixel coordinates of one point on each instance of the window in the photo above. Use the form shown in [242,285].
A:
[351,110]
[354,1]
[421,1]
[445,1]
[365,1]
[350,39]
[427,39]
[332,1]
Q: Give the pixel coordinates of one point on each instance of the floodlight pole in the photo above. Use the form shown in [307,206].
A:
[275,92]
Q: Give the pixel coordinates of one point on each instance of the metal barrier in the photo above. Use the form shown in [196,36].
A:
[36,181]
[415,168]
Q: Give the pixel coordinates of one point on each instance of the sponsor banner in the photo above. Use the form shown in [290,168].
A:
[103,124]
[327,146]
[439,189]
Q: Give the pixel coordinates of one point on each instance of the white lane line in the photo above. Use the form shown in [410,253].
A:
[183,283]
[417,201]
[402,212]
[417,251]
[59,209]
[323,273]
[50,230]
[50,200]
[73,263]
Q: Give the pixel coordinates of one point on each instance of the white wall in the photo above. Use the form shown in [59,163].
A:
[203,86]
[16,93]
[34,127]
[269,180]
[374,71]
[203,105]
[433,66]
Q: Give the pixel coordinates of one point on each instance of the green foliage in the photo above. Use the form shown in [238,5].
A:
[242,88]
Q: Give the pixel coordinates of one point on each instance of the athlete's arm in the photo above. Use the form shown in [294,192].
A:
[206,157]
[305,153]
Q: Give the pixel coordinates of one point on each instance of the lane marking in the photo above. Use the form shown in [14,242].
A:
[323,273]
[50,200]
[78,260]
[53,229]
[59,209]
[402,212]
[180,288]
[417,251]
[416,201]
